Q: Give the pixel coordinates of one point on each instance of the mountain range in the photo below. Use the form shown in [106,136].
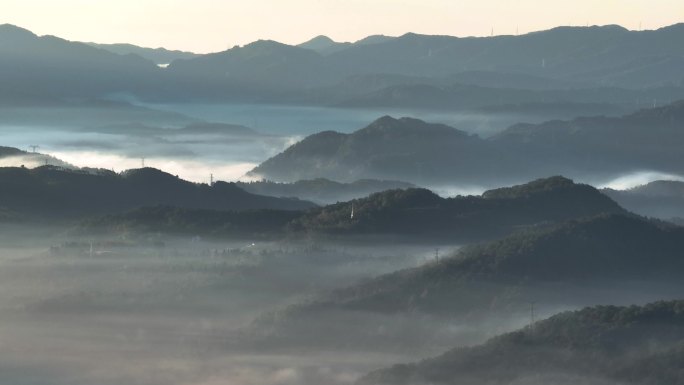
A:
[416,215]
[643,65]
[160,56]
[52,67]
[610,55]
[423,153]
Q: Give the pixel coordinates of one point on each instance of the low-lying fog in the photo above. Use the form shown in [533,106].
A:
[617,182]
[163,314]
[292,120]
[118,137]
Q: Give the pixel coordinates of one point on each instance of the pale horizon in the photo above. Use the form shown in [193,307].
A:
[210,26]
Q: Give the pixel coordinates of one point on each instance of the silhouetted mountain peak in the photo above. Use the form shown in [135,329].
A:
[411,35]
[318,42]
[374,39]
[399,198]
[150,175]
[269,47]
[388,125]
[538,186]
[561,30]
[229,187]
[266,43]
[12,31]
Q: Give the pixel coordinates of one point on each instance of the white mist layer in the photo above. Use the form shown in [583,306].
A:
[192,170]
[454,191]
[639,178]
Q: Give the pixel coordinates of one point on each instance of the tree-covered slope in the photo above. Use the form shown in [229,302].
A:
[604,259]
[419,212]
[53,193]
[597,345]
[429,154]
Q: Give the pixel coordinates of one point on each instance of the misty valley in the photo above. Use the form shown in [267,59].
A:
[411,210]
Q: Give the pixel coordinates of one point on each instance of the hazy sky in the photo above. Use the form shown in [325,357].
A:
[214,25]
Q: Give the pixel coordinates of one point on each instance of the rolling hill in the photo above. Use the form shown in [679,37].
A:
[415,215]
[428,154]
[490,286]
[159,56]
[419,213]
[388,148]
[598,345]
[59,194]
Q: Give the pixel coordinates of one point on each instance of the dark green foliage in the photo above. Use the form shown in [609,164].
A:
[419,212]
[608,248]
[531,189]
[411,214]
